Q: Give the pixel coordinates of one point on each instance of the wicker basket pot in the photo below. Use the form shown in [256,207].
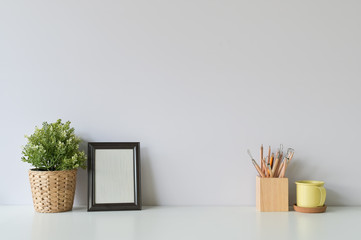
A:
[53,191]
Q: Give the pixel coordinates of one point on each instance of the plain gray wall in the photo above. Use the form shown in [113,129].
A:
[196,82]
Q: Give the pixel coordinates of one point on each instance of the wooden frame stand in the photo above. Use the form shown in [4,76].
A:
[272,194]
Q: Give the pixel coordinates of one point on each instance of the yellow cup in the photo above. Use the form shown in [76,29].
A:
[310,193]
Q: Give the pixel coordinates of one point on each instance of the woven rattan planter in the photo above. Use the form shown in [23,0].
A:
[53,191]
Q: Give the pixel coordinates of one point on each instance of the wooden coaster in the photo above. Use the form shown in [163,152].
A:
[310,210]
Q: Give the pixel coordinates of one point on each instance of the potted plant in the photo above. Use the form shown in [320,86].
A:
[53,150]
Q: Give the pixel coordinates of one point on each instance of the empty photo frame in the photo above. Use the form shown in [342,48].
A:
[113,176]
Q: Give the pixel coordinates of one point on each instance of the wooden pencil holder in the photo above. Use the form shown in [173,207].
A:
[272,194]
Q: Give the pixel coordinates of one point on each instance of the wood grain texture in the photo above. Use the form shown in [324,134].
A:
[272,194]
[114,173]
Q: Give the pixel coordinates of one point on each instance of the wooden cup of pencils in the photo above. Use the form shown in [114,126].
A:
[271,183]
[272,194]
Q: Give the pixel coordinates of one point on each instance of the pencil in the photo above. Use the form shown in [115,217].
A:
[284,168]
[286,162]
[282,171]
[269,154]
[275,166]
[265,167]
[270,171]
[280,157]
[257,168]
[280,168]
[262,157]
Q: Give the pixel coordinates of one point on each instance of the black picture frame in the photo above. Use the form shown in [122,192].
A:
[92,204]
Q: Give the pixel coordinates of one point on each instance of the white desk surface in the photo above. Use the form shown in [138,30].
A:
[186,223]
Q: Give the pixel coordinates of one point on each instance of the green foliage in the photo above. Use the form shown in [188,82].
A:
[54,147]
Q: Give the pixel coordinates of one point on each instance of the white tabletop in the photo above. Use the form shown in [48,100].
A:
[186,223]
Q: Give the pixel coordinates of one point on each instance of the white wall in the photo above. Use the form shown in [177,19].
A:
[196,82]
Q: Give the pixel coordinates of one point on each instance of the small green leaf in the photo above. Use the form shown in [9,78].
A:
[54,147]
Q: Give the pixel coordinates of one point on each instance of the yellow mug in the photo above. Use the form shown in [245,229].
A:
[310,193]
